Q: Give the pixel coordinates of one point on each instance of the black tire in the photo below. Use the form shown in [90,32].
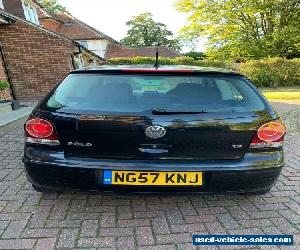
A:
[262,192]
[42,189]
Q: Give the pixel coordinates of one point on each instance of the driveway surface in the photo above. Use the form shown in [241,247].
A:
[30,220]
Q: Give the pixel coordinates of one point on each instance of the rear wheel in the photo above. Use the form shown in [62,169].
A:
[261,192]
[42,189]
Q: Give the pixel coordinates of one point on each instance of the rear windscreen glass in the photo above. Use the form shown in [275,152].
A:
[140,93]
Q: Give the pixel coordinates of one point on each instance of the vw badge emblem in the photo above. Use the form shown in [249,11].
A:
[155,131]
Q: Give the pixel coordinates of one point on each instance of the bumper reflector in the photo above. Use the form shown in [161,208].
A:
[266,144]
[42,141]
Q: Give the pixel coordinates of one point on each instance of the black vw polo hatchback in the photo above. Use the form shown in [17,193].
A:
[176,128]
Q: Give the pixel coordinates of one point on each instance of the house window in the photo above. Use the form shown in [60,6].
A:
[1,5]
[84,44]
[30,13]
[77,62]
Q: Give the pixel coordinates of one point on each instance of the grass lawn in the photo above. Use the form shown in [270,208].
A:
[284,93]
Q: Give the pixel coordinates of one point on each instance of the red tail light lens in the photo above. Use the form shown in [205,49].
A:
[41,131]
[39,128]
[270,134]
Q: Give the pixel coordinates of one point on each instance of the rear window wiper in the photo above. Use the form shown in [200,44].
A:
[174,112]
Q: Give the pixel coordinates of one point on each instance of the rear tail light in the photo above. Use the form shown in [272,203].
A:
[269,135]
[41,131]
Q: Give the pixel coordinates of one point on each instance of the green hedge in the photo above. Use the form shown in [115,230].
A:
[185,60]
[272,72]
[4,84]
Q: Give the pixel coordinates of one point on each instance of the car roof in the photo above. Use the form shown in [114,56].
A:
[151,69]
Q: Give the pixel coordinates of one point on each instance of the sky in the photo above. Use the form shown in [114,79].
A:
[110,16]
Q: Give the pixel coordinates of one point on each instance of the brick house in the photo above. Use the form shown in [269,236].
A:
[117,50]
[37,49]
[32,58]
[94,40]
[69,26]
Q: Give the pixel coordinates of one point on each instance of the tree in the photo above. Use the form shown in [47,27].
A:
[52,6]
[195,54]
[145,32]
[241,29]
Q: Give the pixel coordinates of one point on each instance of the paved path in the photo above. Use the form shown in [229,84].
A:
[14,115]
[29,220]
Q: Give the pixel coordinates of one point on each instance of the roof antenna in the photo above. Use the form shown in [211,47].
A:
[156,65]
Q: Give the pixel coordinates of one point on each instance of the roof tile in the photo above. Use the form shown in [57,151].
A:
[73,28]
[115,51]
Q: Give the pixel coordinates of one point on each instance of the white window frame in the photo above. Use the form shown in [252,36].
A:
[30,12]
[1,4]
[84,43]
[78,62]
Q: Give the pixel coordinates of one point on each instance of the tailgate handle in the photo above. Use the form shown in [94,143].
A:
[153,150]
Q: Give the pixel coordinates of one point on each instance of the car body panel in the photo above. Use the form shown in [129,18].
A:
[195,137]
[214,143]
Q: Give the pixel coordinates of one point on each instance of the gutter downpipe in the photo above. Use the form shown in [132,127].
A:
[13,93]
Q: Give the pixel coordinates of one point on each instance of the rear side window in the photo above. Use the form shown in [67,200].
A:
[140,93]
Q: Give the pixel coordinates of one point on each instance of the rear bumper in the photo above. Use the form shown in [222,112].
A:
[51,169]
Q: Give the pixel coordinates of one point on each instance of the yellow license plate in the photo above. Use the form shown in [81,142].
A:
[112,177]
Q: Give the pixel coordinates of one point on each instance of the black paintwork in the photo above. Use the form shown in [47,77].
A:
[163,69]
[189,137]
[194,142]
